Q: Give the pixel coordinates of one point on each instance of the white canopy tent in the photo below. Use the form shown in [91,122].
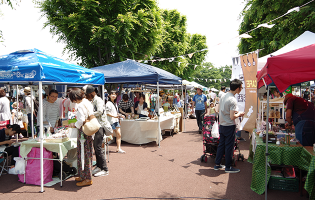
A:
[307,38]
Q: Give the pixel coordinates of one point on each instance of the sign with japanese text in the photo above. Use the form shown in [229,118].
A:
[249,67]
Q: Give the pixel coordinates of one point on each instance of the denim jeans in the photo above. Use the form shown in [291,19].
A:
[226,144]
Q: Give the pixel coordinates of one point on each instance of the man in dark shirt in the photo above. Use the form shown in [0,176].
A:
[301,113]
[5,139]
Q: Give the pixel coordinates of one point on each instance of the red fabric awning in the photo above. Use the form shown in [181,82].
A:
[289,68]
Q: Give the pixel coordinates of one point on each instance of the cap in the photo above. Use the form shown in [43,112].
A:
[288,96]
[89,89]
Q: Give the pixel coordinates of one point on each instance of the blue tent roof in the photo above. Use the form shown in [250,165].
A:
[23,67]
[130,71]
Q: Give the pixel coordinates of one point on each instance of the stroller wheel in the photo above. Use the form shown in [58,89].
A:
[64,175]
[234,162]
[202,158]
[242,157]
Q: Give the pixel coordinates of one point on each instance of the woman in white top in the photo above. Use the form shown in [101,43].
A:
[5,114]
[112,117]
[84,109]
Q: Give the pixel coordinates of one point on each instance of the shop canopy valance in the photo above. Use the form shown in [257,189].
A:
[130,71]
[31,66]
[290,68]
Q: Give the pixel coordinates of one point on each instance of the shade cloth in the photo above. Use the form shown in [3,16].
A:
[289,68]
[130,71]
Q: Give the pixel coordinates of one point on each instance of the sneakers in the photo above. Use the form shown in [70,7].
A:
[101,173]
[217,167]
[96,170]
[232,170]
[120,151]
[241,139]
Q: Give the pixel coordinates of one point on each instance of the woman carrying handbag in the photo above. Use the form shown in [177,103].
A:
[84,110]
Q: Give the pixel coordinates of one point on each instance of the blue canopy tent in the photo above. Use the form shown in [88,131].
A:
[36,67]
[132,72]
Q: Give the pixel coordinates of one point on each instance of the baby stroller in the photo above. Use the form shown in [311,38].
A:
[210,144]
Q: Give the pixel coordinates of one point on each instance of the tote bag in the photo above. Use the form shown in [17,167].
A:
[32,170]
[91,125]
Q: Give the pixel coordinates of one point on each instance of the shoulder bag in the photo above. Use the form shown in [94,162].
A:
[91,125]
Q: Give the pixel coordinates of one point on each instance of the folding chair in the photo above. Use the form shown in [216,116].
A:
[3,162]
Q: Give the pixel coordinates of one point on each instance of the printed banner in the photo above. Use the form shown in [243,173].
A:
[249,66]
[237,73]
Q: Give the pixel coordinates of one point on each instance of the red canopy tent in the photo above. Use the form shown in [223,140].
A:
[289,68]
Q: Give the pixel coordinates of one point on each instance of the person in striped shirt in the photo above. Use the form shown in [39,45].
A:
[51,109]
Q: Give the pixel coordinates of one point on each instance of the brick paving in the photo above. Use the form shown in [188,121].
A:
[171,171]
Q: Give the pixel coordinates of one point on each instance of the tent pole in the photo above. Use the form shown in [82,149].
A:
[18,105]
[40,88]
[32,111]
[185,107]
[103,95]
[158,113]
[267,129]
[182,98]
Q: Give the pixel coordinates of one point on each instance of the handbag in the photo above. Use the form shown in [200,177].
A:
[91,125]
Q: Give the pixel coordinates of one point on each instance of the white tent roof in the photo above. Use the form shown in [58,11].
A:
[307,38]
[193,83]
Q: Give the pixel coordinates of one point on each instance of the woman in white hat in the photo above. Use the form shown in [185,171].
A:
[28,106]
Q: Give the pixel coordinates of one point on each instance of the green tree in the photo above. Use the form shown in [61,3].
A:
[177,42]
[204,75]
[286,29]
[105,31]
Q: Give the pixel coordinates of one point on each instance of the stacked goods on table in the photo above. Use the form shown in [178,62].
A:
[61,135]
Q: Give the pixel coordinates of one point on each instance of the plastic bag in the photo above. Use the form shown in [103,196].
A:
[215,130]
[19,165]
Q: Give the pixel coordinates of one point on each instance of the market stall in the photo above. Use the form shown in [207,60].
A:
[283,71]
[32,67]
[142,132]
[132,72]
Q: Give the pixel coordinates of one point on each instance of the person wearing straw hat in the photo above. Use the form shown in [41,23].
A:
[28,106]
[200,100]
[17,117]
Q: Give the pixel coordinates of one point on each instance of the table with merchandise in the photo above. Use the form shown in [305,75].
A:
[137,131]
[282,154]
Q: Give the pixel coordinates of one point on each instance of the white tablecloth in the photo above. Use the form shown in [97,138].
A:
[142,132]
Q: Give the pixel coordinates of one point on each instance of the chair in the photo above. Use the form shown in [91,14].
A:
[3,162]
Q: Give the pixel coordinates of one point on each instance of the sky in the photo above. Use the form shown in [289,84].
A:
[22,28]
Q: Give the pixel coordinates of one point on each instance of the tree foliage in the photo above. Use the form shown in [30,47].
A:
[286,29]
[177,42]
[222,73]
[105,31]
